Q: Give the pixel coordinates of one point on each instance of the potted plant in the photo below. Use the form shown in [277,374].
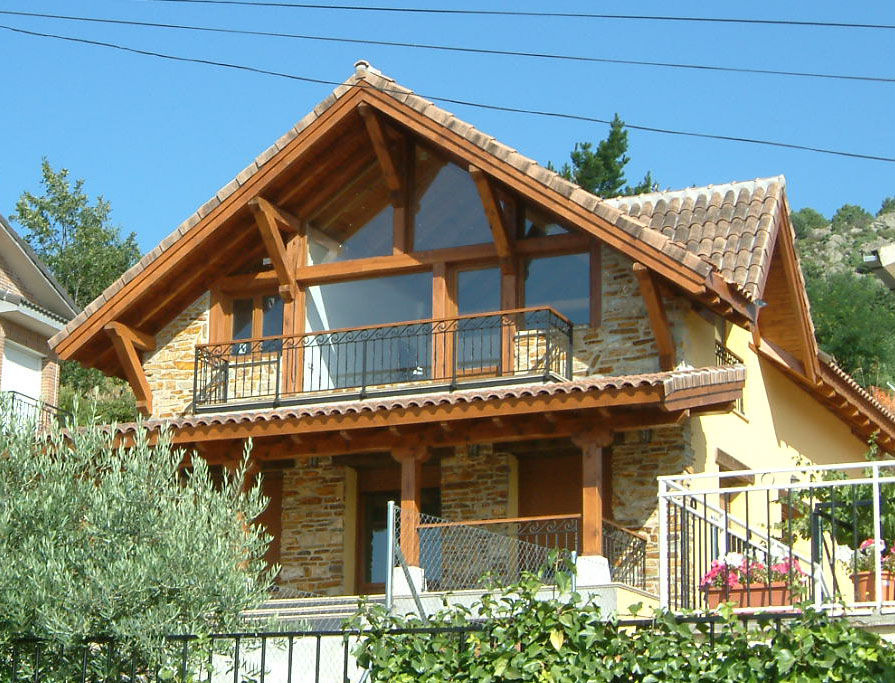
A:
[862,565]
[749,583]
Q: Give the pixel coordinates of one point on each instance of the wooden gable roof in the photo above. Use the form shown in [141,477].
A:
[332,139]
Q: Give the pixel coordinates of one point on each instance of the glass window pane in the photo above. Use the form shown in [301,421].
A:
[243,309]
[449,211]
[478,291]
[271,321]
[368,357]
[562,282]
[356,223]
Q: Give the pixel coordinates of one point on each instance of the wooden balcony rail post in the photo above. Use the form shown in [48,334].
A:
[592,444]
[411,460]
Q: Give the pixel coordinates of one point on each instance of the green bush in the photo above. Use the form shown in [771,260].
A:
[99,540]
[522,638]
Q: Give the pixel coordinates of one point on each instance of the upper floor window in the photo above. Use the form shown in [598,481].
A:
[449,210]
[257,316]
[356,222]
[562,282]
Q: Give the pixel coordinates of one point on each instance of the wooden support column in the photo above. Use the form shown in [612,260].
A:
[443,306]
[592,444]
[411,492]
[655,308]
[294,318]
[126,342]
[268,217]
[509,300]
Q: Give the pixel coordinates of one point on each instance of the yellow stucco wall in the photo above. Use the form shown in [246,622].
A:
[780,421]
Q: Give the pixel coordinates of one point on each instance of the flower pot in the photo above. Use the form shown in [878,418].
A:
[776,594]
[865,586]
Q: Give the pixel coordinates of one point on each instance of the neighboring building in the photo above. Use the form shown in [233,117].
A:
[33,307]
[394,305]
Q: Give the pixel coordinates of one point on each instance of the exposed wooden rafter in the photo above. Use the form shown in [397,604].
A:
[387,162]
[127,342]
[268,218]
[500,227]
[658,318]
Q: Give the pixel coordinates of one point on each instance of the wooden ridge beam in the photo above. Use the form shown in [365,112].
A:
[390,168]
[658,318]
[496,219]
[126,341]
[266,218]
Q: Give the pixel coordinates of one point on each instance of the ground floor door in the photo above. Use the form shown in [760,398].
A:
[376,487]
[21,371]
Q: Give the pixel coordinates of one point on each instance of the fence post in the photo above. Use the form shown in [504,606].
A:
[877,540]
[663,545]
[390,557]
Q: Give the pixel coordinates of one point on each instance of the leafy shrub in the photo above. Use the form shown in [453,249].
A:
[515,636]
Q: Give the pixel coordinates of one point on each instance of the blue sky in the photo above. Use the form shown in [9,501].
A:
[157,138]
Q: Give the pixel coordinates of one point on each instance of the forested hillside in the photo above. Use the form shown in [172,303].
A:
[854,314]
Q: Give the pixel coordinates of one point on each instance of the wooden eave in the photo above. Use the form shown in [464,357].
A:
[183,270]
[848,404]
[507,418]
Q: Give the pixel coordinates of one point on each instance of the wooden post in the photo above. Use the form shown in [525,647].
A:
[411,491]
[591,445]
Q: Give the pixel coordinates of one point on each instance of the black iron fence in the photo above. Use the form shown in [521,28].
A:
[32,410]
[625,550]
[724,356]
[253,657]
[516,345]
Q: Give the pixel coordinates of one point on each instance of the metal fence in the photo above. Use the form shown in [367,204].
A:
[263,657]
[724,356]
[625,550]
[33,411]
[510,345]
[774,538]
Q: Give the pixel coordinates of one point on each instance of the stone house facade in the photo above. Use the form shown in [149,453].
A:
[394,306]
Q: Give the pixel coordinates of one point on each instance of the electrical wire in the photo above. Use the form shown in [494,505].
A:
[450,48]
[522,13]
[450,100]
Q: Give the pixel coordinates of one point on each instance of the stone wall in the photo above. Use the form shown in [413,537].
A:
[638,457]
[169,369]
[623,344]
[475,485]
[311,546]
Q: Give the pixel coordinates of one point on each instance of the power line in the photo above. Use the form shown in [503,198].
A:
[451,48]
[522,13]
[450,100]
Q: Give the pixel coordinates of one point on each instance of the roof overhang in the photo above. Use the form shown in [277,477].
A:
[458,417]
[23,313]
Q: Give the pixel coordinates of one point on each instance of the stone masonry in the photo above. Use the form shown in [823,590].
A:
[311,547]
[169,369]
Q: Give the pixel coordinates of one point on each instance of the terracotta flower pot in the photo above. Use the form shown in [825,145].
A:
[865,586]
[777,594]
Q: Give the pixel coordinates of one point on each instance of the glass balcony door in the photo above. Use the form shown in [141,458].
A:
[478,339]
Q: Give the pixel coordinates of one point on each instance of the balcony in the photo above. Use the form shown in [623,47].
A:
[515,346]
[27,410]
[772,539]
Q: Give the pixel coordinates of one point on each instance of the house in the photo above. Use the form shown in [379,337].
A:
[394,305]
[33,307]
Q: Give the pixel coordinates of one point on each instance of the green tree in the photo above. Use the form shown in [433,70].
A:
[601,170]
[86,253]
[807,219]
[853,318]
[888,206]
[97,540]
[851,217]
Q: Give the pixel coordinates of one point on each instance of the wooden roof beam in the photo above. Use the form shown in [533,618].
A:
[655,308]
[126,341]
[266,217]
[500,225]
[387,162]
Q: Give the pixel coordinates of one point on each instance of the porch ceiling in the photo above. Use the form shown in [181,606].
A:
[464,416]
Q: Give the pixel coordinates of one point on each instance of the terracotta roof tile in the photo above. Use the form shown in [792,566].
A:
[720,225]
[671,382]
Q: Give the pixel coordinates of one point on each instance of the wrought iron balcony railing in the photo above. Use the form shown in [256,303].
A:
[500,347]
[25,409]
